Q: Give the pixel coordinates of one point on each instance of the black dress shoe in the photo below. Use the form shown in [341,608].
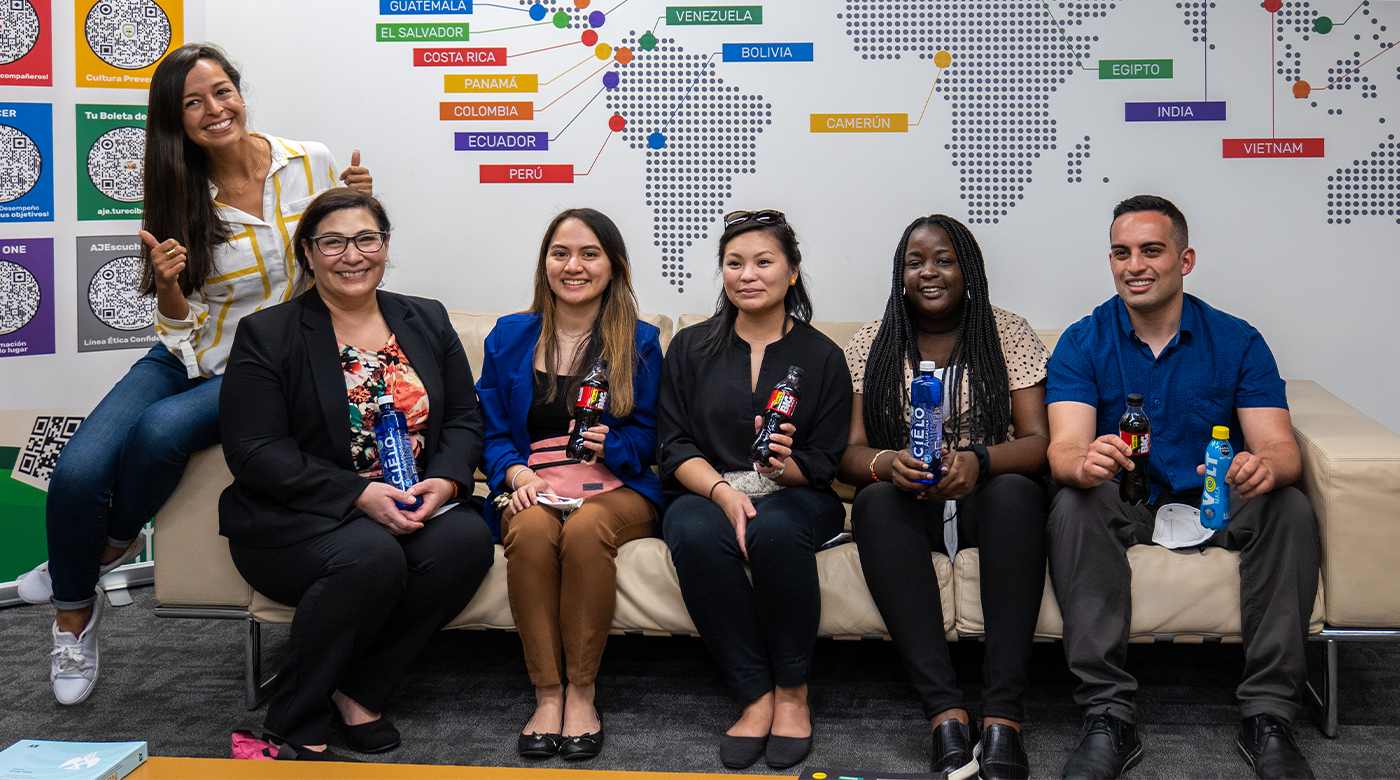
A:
[952,751]
[741,752]
[1267,744]
[1000,755]
[1108,747]
[783,752]
[584,745]
[537,745]
[288,751]
[377,736]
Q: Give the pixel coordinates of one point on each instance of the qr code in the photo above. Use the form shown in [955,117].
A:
[113,298]
[46,440]
[20,296]
[116,163]
[128,34]
[21,164]
[19,30]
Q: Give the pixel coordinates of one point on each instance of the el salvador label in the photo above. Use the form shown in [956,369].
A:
[782,403]
[767,52]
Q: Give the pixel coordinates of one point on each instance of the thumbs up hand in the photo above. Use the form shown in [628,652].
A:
[167,259]
[357,176]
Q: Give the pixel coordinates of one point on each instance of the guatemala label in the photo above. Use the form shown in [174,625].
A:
[420,7]
[782,403]
[592,398]
[1138,443]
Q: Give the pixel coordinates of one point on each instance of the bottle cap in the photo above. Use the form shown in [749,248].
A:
[795,371]
[601,362]
[1220,432]
[926,366]
[385,399]
[1134,399]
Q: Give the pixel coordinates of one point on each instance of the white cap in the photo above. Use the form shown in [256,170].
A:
[926,365]
[384,399]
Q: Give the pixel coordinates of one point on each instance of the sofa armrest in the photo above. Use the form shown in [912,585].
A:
[193,566]
[1351,472]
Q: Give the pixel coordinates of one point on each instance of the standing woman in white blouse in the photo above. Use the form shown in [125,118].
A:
[221,204]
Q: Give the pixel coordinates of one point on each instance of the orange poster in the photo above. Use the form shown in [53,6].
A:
[119,42]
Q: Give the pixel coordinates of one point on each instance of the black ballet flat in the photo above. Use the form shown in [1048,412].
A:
[741,752]
[377,736]
[783,752]
[584,746]
[537,745]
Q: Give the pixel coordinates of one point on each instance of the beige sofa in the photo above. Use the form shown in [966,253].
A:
[1351,473]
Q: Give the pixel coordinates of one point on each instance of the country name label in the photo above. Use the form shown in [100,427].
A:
[504,82]
[1209,111]
[418,7]
[860,123]
[429,58]
[487,111]
[1135,69]
[501,142]
[1273,147]
[767,52]
[714,14]
[527,174]
[421,32]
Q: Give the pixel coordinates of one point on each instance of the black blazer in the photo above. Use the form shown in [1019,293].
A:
[285,417]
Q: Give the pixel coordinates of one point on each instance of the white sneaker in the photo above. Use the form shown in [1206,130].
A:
[36,585]
[73,662]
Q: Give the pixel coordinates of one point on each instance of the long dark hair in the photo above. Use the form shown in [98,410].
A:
[178,204]
[613,334]
[796,302]
[976,352]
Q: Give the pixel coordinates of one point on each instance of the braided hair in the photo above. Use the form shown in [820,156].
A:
[976,352]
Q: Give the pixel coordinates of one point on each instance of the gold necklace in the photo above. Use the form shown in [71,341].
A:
[257,164]
[572,337]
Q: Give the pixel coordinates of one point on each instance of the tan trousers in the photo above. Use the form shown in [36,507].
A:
[546,558]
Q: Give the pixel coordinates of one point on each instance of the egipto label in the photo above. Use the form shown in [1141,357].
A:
[1138,443]
[783,403]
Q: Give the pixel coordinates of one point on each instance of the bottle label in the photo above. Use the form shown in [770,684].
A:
[592,398]
[1138,443]
[783,403]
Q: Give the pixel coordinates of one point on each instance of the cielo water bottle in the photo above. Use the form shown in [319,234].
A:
[926,419]
[1215,497]
[395,449]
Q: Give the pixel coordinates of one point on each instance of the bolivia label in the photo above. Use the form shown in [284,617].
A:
[767,52]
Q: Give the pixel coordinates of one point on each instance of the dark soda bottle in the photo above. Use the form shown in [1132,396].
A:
[395,450]
[588,410]
[782,405]
[1136,431]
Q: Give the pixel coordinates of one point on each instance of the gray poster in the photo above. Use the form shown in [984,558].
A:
[111,314]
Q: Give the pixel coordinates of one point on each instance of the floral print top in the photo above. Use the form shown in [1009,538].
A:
[368,375]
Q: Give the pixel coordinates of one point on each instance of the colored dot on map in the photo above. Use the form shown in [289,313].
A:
[561,19]
[596,19]
[1323,24]
[537,11]
[942,59]
[656,140]
[581,4]
[602,51]
[1301,89]
[611,79]
[648,41]
[1272,6]
[616,124]
[589,38]
[624,55]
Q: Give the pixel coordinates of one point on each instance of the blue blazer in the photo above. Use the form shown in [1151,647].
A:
[506,390]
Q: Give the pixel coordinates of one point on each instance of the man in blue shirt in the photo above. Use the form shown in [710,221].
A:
[1195,368]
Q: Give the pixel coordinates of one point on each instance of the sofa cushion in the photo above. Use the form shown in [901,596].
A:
[193,565]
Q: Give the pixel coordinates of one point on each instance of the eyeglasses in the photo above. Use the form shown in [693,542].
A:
[331,244]
[764,217]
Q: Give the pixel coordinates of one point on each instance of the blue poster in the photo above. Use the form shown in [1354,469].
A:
[26,162]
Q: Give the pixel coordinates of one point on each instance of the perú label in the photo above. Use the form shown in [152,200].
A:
[1210,111]
[504,82]
[1135,69]
[501,142]
[428,58]
[714,14]
[486,111]
[421,32]
[1273,147]
[420,7]
[527,174]
[782,403]
[767,52]
[860,123]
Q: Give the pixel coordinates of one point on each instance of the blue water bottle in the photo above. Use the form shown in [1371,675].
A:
[1215,498]
[926,419]
[395,449]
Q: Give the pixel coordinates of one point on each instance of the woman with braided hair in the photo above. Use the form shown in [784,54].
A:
[989,494]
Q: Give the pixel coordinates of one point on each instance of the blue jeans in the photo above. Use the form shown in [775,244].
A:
[121,465]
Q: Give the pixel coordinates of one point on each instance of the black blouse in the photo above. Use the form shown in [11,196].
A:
[706,407]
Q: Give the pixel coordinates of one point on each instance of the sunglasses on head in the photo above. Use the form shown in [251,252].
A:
[764,217]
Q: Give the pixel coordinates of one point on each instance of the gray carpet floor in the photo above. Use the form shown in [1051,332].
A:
[178,685]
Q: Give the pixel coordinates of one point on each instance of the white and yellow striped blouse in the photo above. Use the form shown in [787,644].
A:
[256,266]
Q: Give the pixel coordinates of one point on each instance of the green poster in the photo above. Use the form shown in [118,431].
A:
[111,161]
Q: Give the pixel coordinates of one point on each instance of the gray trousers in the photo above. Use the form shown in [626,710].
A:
[1276,535]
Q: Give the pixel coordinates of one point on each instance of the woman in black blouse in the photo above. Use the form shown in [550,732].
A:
[726,510]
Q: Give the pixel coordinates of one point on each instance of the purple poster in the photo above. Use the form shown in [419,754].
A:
[26,296]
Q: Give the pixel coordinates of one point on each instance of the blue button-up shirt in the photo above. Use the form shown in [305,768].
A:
[1214,365]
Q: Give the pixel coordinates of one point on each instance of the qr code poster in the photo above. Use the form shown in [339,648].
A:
[26,297]
[119,42]
[36,437]
[112,314]
[26,161]
[111,161]
[26,47]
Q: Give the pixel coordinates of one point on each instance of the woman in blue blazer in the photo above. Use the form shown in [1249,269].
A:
[562,575]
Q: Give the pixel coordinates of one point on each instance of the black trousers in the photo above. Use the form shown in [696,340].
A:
[897,534]
[1276,536]
[761,634]
[367,602]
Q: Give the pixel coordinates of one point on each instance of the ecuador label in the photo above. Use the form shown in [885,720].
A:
[1138,443]
[501,142]
[527,174]
[421,32]
[1273,147]
[496,82]
[1135,69]
[486,111]
[592,398]
[783,403]
[767,52]
[714,14]
[1212,111]
[429,58]
[860,123]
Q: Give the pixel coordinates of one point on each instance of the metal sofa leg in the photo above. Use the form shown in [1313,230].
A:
[1327,701]
[257,688]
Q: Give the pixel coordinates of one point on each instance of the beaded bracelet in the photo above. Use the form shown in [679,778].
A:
[873,475]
